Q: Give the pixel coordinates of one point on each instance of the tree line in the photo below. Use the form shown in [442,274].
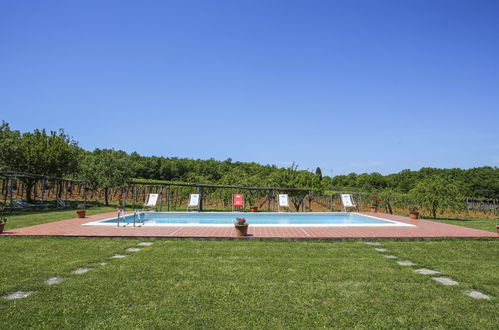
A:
[55,153]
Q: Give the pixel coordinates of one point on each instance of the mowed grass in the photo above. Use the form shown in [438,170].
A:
[32,218]
[247,284]
[488,224]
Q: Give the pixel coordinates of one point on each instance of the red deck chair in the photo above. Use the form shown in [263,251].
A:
[237,201]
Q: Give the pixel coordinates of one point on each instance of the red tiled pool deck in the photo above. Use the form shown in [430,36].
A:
[423,229]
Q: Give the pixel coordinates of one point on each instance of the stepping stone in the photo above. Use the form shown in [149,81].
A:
[405,263]
[476,294]
[445,280]
[18,295]
[133,249]
[145,243]
[119,256]
[373,243]
[55,280]
[381,249]
[388,256]
[80,271]
[102,263]
[424,271]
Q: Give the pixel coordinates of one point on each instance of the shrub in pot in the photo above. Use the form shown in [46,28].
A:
[414,212]
[3,220]
[241,226]
[81,210]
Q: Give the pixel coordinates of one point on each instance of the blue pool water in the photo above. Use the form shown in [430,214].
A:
[254,219]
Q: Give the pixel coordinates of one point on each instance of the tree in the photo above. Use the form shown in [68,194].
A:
[38,152]
[105,168]
[318,172]
[9,147]
[438,193]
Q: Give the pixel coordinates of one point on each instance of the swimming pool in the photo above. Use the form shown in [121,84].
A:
[222,219]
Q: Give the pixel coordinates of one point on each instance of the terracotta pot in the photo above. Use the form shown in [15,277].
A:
[81,213]
[374,209]
[254,208]
[414,215]
[497,227]
[120,207]
[241,230]
[2,225]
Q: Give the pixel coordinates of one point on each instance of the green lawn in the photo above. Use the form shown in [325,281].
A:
[243,284]
[234,284]
[31,218]
[488,224]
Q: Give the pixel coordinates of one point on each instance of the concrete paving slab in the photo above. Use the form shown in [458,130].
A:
[119,256]
[476,294]
[425,271]
[133,249]
[18,295]
[405,263]
[389,256]
[145,243]
[80,271]
[445,280]
[372,243]
[54,280]
[381,249]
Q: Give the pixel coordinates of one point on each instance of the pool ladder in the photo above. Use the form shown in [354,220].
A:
[121,213]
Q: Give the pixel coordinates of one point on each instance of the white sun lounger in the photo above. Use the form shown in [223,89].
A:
[283,202]
[153,200]
[347,202]
[193,201]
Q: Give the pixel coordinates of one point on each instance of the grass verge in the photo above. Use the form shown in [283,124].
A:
[32,218]
[220,284]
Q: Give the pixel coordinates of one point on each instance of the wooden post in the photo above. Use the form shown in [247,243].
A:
[85,195]
[200,204]
[134,196]
[161,199]
[66,196]
[10,191]
[124,197]
[34,190]
[44,183]
[168,198]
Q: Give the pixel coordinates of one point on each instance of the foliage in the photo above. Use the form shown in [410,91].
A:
[105,168]
[318,172]
[38,152]
[438,193]
[413,208]
[3,218]
[241,222]
[375,201]
[56,154]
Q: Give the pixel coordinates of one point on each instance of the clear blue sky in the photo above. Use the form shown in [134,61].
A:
[350,86]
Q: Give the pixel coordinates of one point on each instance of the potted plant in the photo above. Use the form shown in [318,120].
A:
[81,210]
[3,220]
[241,226]
[413,212]
[374,204]
[120,205]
